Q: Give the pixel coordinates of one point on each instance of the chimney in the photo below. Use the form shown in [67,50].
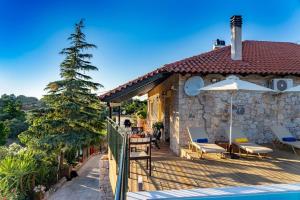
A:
[236,37]
[218,44]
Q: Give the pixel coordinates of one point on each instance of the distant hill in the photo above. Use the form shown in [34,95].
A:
[29,103]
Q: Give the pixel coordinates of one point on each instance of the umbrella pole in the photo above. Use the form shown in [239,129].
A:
[230,126]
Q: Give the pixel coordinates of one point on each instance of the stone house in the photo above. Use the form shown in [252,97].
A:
[270,64]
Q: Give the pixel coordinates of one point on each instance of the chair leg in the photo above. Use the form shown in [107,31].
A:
[147,167]
[201,155]
[260,156]
[150,166]
[294,150]
[129,169]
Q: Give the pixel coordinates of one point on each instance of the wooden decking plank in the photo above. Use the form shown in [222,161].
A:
[172,172]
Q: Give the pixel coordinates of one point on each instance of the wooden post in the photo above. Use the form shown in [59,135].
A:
[110,111]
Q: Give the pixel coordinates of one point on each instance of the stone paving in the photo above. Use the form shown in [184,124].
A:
[85,186]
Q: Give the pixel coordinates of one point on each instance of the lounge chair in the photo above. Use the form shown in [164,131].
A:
[199,140]
[241,141]
[284,136]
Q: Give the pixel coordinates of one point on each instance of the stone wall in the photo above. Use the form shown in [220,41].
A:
[211,110]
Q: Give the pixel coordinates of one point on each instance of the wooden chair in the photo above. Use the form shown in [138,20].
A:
[142,151]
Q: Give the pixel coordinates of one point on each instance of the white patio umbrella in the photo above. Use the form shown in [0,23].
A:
[233,83]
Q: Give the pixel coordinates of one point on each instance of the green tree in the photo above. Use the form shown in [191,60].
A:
[4,131]
[72,114]
[133,106]
[10,108]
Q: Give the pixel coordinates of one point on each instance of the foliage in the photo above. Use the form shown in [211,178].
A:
[30,103]
[10,108]
[68,117]
[158,126]
[3,152]
[16,126]
[70,155]
[133,106]
[72,113]
[142,114]
[17,173]
[4,131]
[12,115]
[22,168]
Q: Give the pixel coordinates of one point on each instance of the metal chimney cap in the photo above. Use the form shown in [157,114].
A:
[236,20]
[219,42]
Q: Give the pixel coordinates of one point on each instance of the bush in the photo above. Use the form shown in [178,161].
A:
[4,131]
[3,152]
[16,126]
[70,155]
[158,125]
[142,114]
[24,168]
[17,173]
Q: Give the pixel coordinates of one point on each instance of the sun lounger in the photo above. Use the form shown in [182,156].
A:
[241,141]
[199,140]
[284,136]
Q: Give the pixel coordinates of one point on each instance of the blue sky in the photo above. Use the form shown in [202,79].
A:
[133,37]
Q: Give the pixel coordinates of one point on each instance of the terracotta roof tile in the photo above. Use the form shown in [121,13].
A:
[259,57]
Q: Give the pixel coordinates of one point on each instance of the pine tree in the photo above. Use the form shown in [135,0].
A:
[72,117]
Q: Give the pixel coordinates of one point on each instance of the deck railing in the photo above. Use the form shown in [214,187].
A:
[118,145]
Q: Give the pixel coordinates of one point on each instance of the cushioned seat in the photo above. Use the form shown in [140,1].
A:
[140,154]
[281,133]
[254,148]
[199,134]
[209,147]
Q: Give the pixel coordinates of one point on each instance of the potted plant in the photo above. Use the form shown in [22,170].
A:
[158,126]
[141,118]
[158,130]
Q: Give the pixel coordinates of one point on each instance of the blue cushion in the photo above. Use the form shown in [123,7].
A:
[201,140]
[289,139]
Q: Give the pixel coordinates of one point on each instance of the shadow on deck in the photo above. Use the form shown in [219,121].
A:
[173,172]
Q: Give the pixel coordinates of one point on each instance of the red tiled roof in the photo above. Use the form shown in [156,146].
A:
[259,57]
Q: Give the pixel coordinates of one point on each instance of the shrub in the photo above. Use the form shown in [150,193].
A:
[16,126]
[70,155]
[17,173]
[4,131]
[24,168]
[142,114]
[158,125]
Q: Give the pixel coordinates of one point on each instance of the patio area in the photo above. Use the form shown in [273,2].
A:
[172,172]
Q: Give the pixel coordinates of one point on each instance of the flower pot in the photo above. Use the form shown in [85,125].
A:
[38,196]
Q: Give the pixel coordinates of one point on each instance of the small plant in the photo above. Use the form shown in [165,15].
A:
[158,126]
[39,189]
[142,114]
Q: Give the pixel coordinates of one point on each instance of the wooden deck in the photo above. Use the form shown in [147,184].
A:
[172,172]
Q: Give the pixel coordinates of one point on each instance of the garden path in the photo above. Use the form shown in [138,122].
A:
[83,187]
